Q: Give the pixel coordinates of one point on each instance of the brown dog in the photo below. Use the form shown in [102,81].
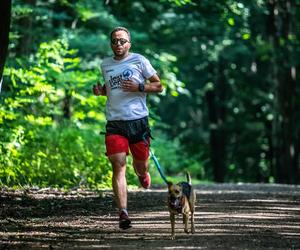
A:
[181,200]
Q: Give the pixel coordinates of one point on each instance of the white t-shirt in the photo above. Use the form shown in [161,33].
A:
[123,105]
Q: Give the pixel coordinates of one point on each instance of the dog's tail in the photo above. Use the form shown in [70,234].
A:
[188,178]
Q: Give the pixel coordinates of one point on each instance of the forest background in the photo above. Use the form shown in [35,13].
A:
[230,111]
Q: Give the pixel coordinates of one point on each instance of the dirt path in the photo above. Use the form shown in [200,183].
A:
[227,217]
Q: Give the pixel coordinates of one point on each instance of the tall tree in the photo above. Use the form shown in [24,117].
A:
[284,76]
[5,14]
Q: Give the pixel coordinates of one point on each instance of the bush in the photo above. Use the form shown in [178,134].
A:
[63,156]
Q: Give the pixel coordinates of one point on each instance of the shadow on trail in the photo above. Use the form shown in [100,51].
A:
[227,216]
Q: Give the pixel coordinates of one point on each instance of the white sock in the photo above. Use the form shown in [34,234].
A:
[124,210]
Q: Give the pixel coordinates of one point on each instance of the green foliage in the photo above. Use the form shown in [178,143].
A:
[63,156]
[42,144]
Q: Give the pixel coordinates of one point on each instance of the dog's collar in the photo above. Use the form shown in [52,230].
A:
[177,206]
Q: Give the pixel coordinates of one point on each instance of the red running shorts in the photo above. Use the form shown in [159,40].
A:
[119,144]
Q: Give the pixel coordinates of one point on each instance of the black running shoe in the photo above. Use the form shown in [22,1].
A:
[124,221]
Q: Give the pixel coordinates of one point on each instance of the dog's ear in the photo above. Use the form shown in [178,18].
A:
[169,183]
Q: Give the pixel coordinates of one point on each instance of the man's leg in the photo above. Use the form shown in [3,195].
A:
[142,171]
[117,149]
[118,162]
[140,154]
[119,183]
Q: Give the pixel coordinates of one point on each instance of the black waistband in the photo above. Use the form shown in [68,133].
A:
[133,130]
[126,121]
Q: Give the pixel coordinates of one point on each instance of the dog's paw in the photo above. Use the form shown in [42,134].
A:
[172,237]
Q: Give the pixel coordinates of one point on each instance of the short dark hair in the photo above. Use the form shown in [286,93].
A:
[118,29]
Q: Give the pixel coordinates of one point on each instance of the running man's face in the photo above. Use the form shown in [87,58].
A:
[120,44]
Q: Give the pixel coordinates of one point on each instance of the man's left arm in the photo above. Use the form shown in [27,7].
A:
[154,85]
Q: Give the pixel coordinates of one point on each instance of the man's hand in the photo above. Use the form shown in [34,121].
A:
[130,86]
[99,89]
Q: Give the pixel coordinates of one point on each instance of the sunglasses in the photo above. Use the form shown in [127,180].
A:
[121,40]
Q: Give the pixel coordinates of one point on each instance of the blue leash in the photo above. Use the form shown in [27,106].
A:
[152,155]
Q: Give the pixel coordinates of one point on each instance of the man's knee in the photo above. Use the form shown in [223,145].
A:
[118,161]
[141,167]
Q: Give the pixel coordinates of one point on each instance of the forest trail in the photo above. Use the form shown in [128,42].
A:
[246,216]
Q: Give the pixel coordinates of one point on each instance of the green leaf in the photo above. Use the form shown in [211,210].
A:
[246,36]
[230,21]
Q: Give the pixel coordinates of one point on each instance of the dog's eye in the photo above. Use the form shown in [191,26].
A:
[176,192]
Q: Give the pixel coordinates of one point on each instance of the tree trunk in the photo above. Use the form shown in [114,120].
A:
[270,152]
[216,111]
[26,22]
[284,105]
[67,105]
[5,12]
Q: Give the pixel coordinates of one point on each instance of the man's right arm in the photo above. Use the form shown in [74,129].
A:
[100,89]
